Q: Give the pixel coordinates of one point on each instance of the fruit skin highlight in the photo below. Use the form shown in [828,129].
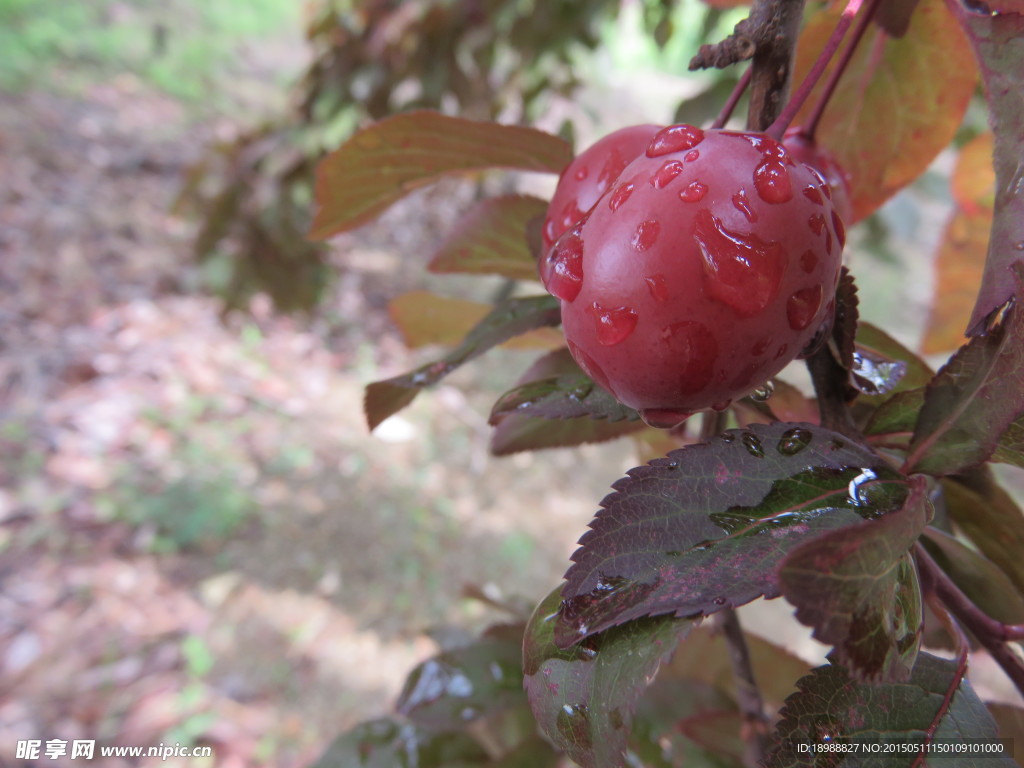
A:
[707,267]
[590,175]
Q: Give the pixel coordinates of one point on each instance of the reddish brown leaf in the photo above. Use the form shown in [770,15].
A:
[973,182]
[491,239]
[898,104]
[391,158]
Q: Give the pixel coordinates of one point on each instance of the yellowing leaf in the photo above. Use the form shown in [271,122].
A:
[974,179]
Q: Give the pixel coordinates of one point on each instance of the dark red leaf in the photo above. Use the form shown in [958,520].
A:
[706,527]
[858,588]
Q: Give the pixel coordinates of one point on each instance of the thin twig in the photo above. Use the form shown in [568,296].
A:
[748,695]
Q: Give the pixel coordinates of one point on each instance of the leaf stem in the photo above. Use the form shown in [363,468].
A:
[748,695]
[992,634]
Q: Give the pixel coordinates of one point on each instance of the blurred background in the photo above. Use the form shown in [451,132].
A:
[200,543]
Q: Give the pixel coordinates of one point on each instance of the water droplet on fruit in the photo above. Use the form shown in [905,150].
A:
[581,173]
[753,445]
[664,175]
[664,418]
[819,338]
[813,194]
[742,270]
[808,261]
[742,204]
[691,156]
[658,287]
[793,441]
[563,272]
[613,325]
[817,223]
[721,405]
[693,349]
[550,233]
[803,306]
[646,234]
[772,182]
[840,229]
[674,138]
[760,346]
[764,392]
[693,192]
[781,351]
[619,196]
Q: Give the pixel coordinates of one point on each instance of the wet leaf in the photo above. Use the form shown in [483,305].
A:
[898,104]
[425,318]
[892,424]
[831,705]
[584,697]
[990,518]
[508,319]
[386,743]
[706,527]
[386,161]
[455,688]
[492,239]
[787,403]
[972,400]
[557,388]
[997,40]
[1010,449]
[858,588]
[980,579]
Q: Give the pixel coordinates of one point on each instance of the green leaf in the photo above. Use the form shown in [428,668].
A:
[892,424]
[1010,449]
[980,579]
[386,161]
[584,697]
[858,588]
[707,526]
[971,401]
[457,687]
[492,239]
[998,43]
[990,518]
[936,705]
[387,743]
[898,104]
[508,319]
[556,405]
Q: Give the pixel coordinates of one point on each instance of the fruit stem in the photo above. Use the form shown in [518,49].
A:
[748,695]
[733,100]
[810,126]
[781,123]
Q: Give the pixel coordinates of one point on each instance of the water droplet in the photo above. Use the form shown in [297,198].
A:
[646,234]
[742,270]
[562,270]
[728,437]
[664,175]
[691,156]
[694,350]
[721,405]
[613,325]
[579,392]
[794,440]
[808,261]
[742,204]
[619,196]
[764,392]
[1020,246]
[760,346]
[589,365]
[719,601]
[664,418]
[839,227]
[772,182]
[658,287]
[813,194]
[857,491]
[674,138]
[550,232]
[753,445]
[803,306]
[693,192]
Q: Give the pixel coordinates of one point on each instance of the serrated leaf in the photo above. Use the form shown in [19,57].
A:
[386,743]
[508,319]
[898,104]
[386,161]
[424,318]
[978,577]
[990,518]
[1010,449]
[707,526]
[583,698]
[830,705]
[998,43]
[971,401]
[858,588]
[454,688]
[844,327]
[492,239]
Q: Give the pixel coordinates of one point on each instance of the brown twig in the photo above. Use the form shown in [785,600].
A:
[748,695]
